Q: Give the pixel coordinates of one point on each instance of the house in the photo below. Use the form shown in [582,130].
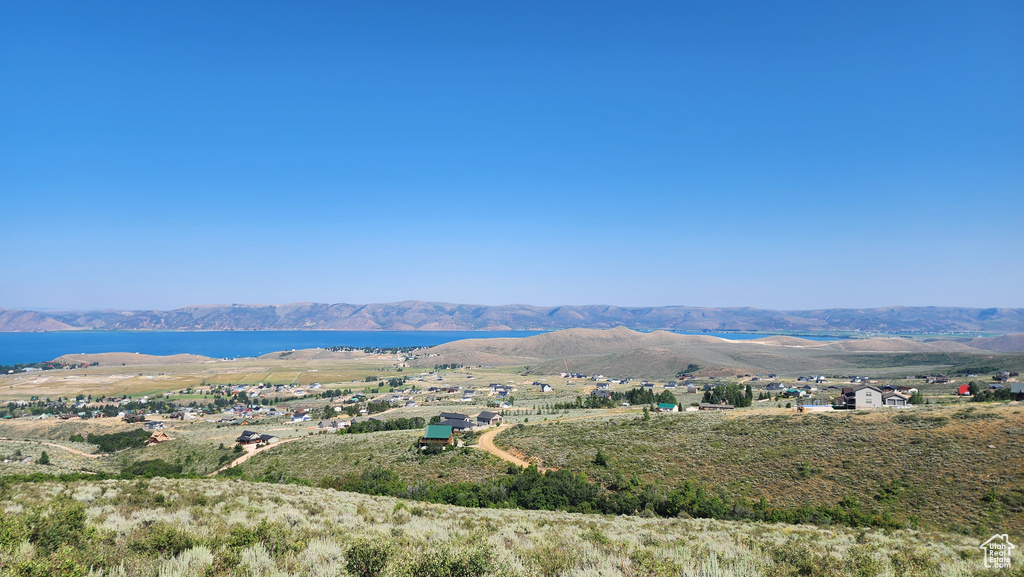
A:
[545,388]
[814,408]
[268,438]
[775,387]
[714,407]
[691,388]
[602,394]
[153,425]
[458,426]
[332,425]
[895,400]
[963,390]
[489,419]
[297,418]
[1017,391]
[860,397]
[248,438]
[437,435]
[454,416]
[668,408]
[157,437]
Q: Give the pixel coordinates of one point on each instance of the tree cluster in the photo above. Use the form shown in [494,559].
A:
[567,491]
[732,394]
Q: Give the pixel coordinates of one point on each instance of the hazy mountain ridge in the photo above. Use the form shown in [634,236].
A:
[418,315]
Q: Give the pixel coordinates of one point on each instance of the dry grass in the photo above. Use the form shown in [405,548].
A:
[312,532]
[149,375]
[332,455]
[961,474]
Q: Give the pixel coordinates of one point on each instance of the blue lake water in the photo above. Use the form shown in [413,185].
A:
[36,347]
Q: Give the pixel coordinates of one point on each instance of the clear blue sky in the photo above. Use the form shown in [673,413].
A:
[779,155]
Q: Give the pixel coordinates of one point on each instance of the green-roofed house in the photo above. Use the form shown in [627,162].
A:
[668,408]
[438,435]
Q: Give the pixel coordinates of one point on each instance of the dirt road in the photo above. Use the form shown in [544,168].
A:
[56,446]
[485,442]
[251,450]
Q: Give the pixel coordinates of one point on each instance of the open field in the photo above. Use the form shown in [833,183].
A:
[220,528]
[158,375]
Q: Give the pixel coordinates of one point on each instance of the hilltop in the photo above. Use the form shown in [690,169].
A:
[661,354]
[429,316]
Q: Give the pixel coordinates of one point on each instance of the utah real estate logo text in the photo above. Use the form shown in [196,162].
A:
[997,551]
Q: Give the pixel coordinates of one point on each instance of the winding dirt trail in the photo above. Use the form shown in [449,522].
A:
[56,446]
[485,442]
[250,451]
[75,451]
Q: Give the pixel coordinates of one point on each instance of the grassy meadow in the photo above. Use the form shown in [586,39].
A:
[958,467]
[219,528]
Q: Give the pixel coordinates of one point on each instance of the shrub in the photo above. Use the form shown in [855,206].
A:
[152,468]
[367,558]
[12,530]
[475,563]
[162,538]
[117,441]
[44,459]
[62,525]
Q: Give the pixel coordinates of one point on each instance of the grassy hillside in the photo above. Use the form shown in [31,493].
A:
[317,457]
[952,467]
[219,528]
[660,355]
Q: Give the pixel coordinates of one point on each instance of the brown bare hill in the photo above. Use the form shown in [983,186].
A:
[899,345]
[129,359]
[782,341]
[314,355]
[1004,344]
[622,352]
[18,321]
[573,342]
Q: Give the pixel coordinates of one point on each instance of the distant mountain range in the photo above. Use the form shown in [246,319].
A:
[424,316]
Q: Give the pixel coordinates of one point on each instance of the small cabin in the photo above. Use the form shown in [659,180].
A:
[436,435]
